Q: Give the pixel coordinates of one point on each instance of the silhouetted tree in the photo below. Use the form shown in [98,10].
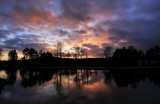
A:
[77,49]
[78,52]
[86,54]
[30,53]
[107,52]
[75,56]
[153,52]
[12,55]
[59,49]
[0,53]
[26,53]
[140,53]
[40,53]
[46,54]
[133,51]
[126,52]
[68,54]
[82,52]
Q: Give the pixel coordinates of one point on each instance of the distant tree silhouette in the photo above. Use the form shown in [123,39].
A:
[12,55]
[153,52]
[82,52]
[79,52]
[141,53]
[0,53]
[48,54]
[86,54]
[59,49]
[26,53]
[40,53]
[45,54]
[68,54]
[30,53]
[75,56]
[77,49]
[107,52]
[126,52]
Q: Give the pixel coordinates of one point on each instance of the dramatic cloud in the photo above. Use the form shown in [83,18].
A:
[19,42]
[94,24]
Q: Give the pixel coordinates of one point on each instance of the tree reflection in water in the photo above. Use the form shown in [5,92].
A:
[33,77]
[10,80]
[78,77]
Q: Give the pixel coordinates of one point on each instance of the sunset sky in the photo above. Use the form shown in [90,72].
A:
[91,24]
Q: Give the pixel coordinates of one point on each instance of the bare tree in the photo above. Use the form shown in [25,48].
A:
[107,52]
[77,49]
[55,53]
[59,49]
[86,54]
[82,52]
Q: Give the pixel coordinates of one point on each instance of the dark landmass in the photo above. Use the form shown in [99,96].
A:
[122,57]
[84,63]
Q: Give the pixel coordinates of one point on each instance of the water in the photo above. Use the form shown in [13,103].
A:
[78,86]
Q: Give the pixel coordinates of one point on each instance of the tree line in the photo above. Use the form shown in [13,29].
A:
[132,52]
[31,53]
[124,52]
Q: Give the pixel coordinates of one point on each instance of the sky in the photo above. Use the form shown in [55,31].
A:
[90,24]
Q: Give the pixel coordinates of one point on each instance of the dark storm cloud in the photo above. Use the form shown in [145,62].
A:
[117,34]
[26,13]
[17,16]
[80,31]
[132,21]
[137,22]
[21,42]
[95,50]
[4,33]
[32,15]
[142,33]
[77,11]
[90,46]
[84,10]
[62,32]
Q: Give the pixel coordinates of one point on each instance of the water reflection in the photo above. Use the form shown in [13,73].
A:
[76,85]
[31,77]
[9,80]
[125,78]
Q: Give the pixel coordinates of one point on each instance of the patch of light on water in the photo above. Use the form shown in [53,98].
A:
[3,74]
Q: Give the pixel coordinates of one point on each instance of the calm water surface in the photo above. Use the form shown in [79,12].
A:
[77,86]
